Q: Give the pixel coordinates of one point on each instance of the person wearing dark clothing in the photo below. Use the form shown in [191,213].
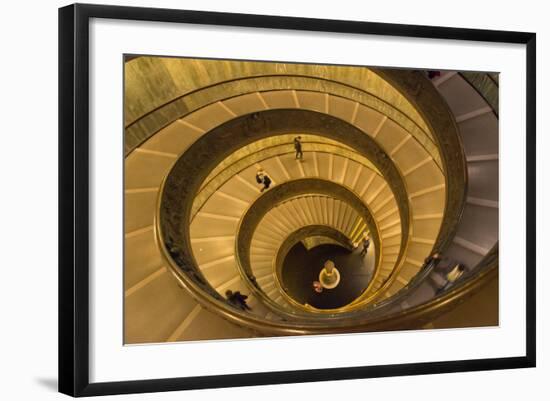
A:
[267,183]
[237,299]
[263,178]
[298,148]
[366,244]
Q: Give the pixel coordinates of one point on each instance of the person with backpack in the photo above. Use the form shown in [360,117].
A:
[237,299]
[263,178]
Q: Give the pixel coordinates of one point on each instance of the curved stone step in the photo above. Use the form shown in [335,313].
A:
[478,126]
[262,259]
[147,166]
[364,184]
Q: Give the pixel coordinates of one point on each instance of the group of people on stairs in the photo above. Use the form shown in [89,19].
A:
[263,178]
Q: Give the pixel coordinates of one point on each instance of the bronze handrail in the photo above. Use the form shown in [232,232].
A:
[258,291]
[357,321]
[445,238]
[407,319]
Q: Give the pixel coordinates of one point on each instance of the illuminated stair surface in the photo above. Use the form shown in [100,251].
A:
[147,166]
[287,218]
[478,127]
[236,195]
[158,309]
[477,231]
[241,190]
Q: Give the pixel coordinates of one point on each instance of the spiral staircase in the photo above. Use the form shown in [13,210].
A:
[411,160]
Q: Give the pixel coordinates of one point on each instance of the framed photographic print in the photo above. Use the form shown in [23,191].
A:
[249,199]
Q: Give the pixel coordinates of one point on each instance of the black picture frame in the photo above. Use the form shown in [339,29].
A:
[74,194]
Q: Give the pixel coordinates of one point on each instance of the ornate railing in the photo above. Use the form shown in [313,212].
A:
[175,244]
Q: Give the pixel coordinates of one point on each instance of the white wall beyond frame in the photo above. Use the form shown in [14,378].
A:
[29,352]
